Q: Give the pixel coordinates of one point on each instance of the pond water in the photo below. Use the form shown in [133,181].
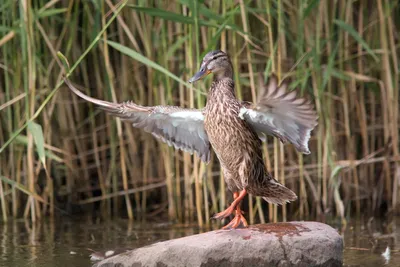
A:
[69,242]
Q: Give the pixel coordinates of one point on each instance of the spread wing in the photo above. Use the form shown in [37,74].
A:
[282,114]
[178,127]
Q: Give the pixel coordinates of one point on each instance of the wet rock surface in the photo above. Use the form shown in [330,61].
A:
[276,244]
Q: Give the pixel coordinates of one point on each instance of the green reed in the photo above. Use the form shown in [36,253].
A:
[58,152]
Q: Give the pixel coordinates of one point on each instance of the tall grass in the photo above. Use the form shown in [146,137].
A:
[60,154]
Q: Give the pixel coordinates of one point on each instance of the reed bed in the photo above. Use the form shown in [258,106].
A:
[62,155]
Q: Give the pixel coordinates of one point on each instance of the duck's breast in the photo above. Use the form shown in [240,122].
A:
[232,138]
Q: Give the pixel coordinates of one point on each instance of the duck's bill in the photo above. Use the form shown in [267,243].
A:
[199,75]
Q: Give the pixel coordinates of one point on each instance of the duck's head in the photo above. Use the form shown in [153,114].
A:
[216,62]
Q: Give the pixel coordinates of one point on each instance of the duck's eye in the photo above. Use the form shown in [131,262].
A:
[214,58]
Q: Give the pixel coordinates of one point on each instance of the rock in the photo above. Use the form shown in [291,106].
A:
[276,244]
[105,254]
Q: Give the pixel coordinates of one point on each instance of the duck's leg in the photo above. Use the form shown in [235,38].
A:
[238,197]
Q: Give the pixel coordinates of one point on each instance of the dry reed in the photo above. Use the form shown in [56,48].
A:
[343,54]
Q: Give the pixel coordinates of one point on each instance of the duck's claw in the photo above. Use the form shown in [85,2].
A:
[223,214]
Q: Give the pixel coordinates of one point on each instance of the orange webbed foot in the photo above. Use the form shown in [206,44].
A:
[224,214]
[239,218]
[235,206]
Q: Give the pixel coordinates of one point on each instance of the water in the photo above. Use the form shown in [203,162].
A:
[68,242]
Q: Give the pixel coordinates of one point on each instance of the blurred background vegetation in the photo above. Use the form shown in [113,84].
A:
[60,155]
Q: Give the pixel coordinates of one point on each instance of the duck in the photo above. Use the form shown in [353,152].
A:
[232,128]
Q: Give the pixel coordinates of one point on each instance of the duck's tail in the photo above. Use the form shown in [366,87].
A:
[277,193]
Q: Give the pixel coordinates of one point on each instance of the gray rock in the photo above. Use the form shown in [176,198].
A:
[277,244]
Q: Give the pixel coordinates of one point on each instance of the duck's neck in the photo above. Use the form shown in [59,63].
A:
[223,82]
[221,89]
[226,73]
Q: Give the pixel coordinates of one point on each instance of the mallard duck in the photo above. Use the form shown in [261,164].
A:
[233,128]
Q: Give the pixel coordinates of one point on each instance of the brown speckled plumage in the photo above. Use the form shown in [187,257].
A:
[233,128]
[238,147]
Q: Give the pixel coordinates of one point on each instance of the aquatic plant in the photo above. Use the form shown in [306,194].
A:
[58,153]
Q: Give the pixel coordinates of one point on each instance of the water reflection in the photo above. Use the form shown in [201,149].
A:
[69,242]
[365,244]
